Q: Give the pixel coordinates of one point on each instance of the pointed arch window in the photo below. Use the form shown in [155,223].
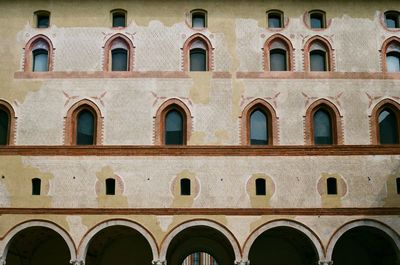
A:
[118,54]
[322,126]
[40,56]
[318,57]
[388,126]
[85,128]
[174,131]
[198,56]
[278,56]
[393,57]
[7,122]
[258,127]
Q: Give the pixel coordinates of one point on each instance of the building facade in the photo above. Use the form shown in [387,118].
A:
[196,133]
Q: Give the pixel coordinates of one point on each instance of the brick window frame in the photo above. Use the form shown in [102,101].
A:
[289,51]
[28,49]
[12,121]
[383,50]
[336,121]
[272,122]
[107,52]
[329,50]
[159,120]
[374,118]
[186,51]
[70,122]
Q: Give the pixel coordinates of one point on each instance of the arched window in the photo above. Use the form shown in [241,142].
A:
[318,57]
[393,57]
[4,125]
[331,186]
[322,126]
[110,186]
[278,56]
[118,18]
[317,19]
[258,128]
[198,56]
[173,134]
[36,186]
[275,19]
[392,19]
[388,126]
[199,19]
[260,187]
[185,187]
[85,128]
[118,54]
[42,18]
[40,56]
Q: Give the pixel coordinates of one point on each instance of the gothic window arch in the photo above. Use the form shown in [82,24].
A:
[83,124]
[385,122]
[390,54]
[197,53]
[7,123]
[118,54]
[259,124]
[318,55]
[38,55]
[278,54]
[323,124]
[173,123]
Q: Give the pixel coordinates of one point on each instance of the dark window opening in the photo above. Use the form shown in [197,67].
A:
[85,128]
[185,187]
[36,183]
[388,131]
[198,20]
[198,60]
[322,127]
[174,128]
[110,186]
[331,186]
[260,187]
[258,128]
[4,124]
[317,20]
[43,20]
[119,19]
[393,62]
[40,60]
[278,61]
[274,20]
[398,185]
[318,60]
[392,20]
[119,58]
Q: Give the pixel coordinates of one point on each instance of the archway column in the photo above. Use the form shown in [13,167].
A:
[76,262]
[159,262]
[242,262]
[325,262]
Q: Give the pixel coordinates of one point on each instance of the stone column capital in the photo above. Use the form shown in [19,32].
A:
[77,262]
[325,262]
[159,262]
[242,262]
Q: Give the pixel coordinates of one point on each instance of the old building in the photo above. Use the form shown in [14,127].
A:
[200,132]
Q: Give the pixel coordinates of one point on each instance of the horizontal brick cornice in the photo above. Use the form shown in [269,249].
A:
[127,150]
[206,211]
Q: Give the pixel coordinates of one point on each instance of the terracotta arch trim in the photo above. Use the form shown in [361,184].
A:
[28,60]
[159,120]
[186,51]
[272,122]
[329,50]
[107,52]
[336,121]
[289,49]
[374,118]
[70,121]
[383,50]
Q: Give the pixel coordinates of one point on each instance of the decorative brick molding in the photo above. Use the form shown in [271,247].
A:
[336,121]
[318,75]
[186,50]
[272,122]
[384,48]
[28,59]
[374,117]
[289,51]
[107,51]
[329,50]
[12,121]
[70,122]
[159,120]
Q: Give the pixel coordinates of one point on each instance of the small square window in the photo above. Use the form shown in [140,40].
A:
[317,20]
[119,20]
[392,19]
[36,183]
[199,19]
[275,19]
[42,19]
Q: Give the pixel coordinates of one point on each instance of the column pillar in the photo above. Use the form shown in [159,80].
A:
[325,262]
[242,262]
[159,262]
[77,262]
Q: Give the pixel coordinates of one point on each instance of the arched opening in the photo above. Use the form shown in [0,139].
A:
[118,245]
[38,246]
[40,56]
[278,56]
[392,19]
[174,128]
[199,19]
[85,127]
[275,19]
[282,245]
[118,18]
[4,126]
[388,126]
[119,55]
[365,245]
[322,127]
[258,128]
[393,57]
[198,56]
[200,239]
[317,19]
